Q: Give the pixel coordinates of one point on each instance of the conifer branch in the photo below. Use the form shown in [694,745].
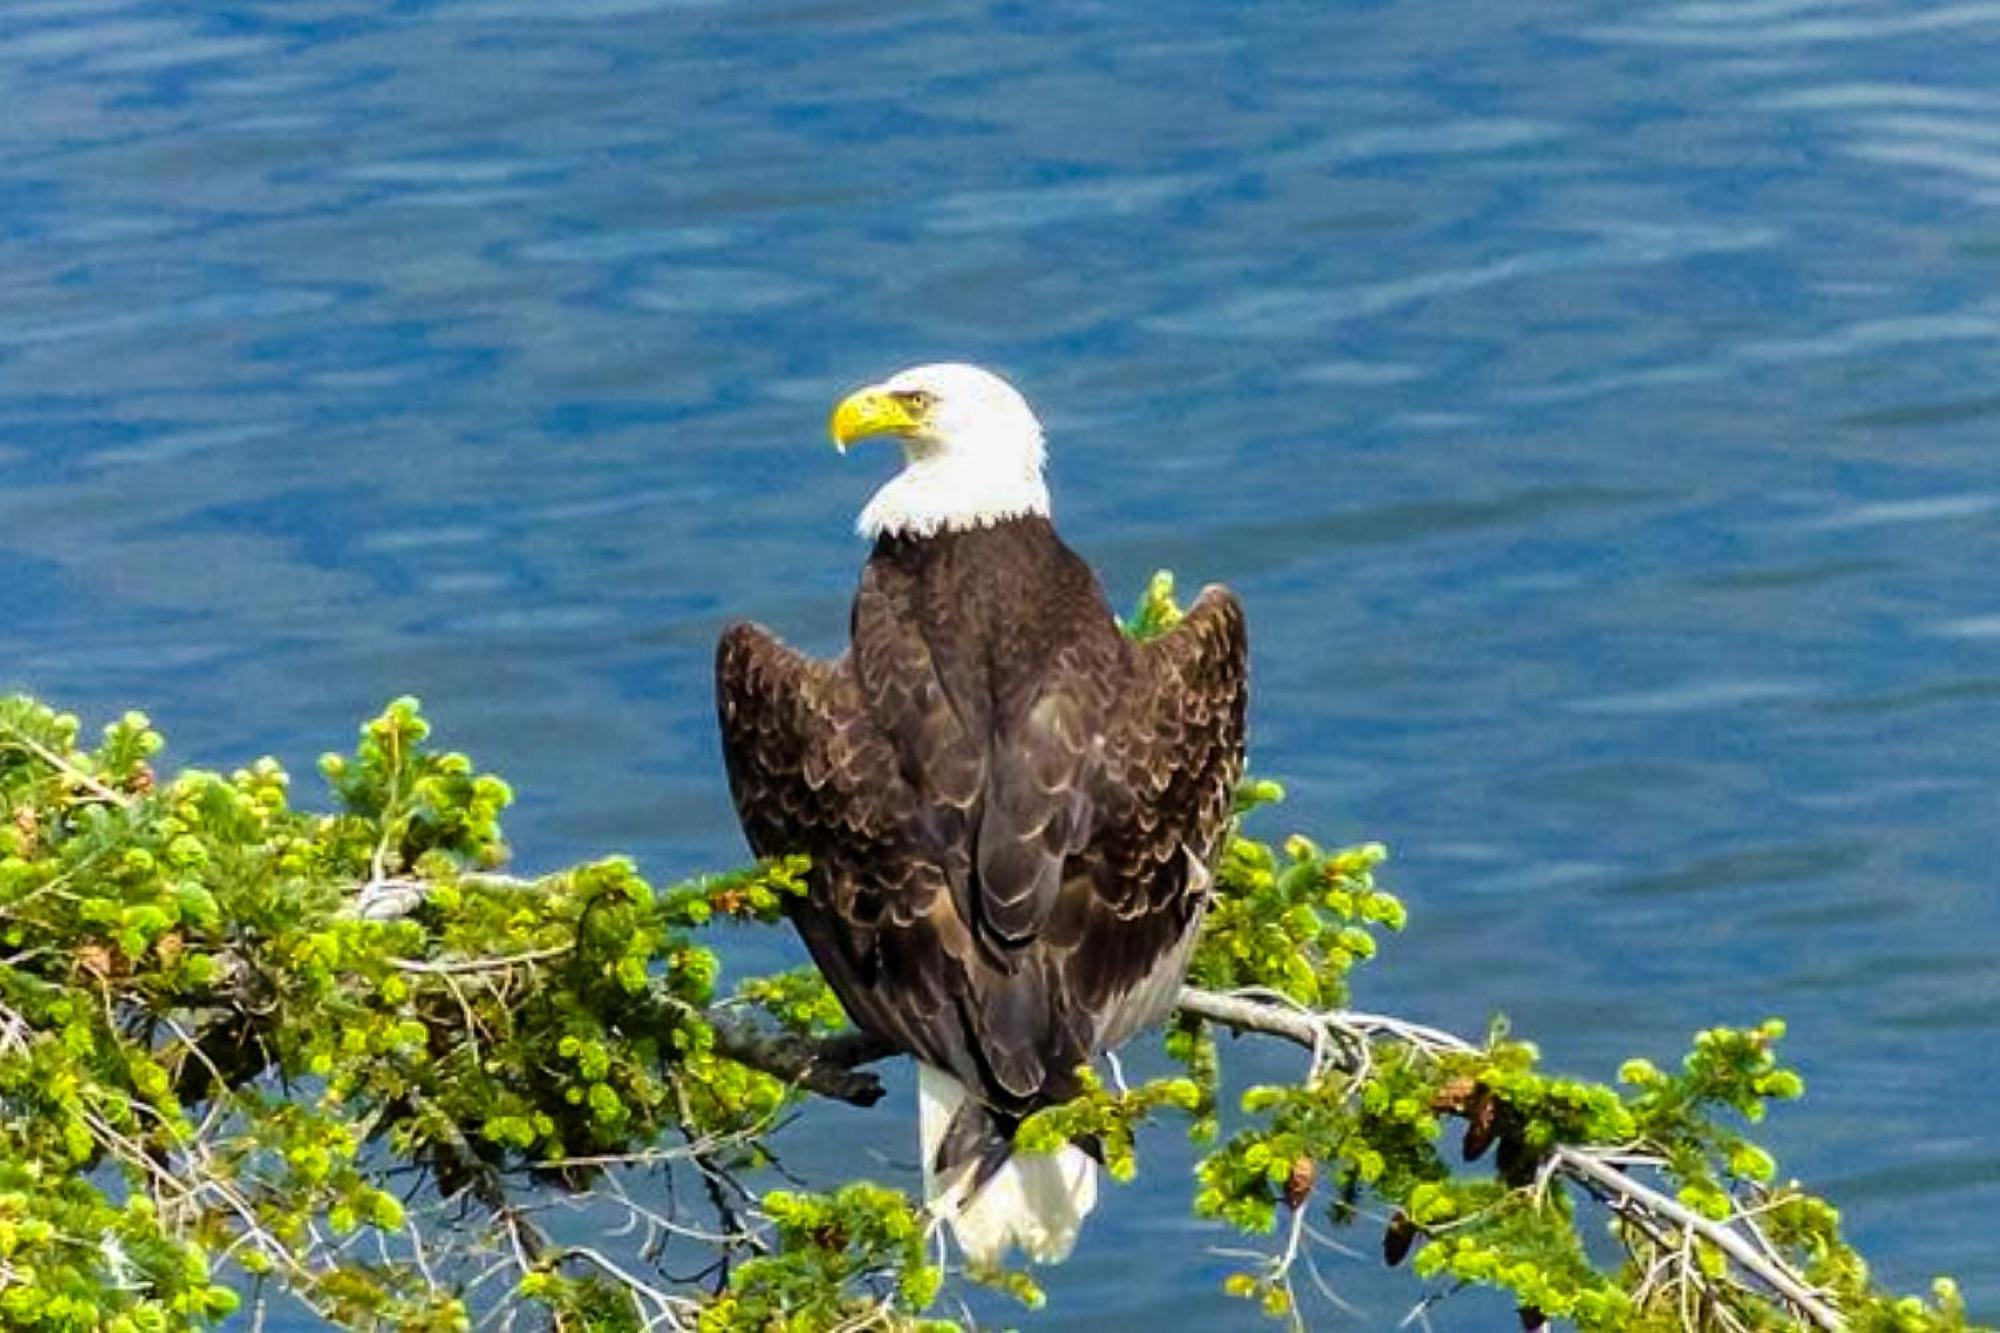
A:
[1605,1177]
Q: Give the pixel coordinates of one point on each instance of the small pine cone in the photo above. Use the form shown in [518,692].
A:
[1455,1095]
[29,825]
[1515,1163]
[141,780]
[1299,1184]
[1398,1238]
[1482,1119]
[96,960]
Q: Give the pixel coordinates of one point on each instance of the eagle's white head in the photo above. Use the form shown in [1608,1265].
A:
[972,450]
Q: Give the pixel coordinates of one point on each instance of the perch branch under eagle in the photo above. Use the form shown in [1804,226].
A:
[1011,807]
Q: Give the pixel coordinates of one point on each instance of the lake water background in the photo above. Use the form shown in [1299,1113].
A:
[1595,405]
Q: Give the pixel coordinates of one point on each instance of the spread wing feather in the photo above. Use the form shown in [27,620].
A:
[1009,830]
[809,772]
[1167,783]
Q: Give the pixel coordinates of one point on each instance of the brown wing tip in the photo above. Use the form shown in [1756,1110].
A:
[1217,597]
[740,637]
[744,652]
[1218,603]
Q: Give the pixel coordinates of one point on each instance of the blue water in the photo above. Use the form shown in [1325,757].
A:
[1595,405]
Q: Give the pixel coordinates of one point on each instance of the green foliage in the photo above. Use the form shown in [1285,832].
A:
[247,1047]
[800,1001]
[852,1258]
[404,802]
[211,1050]
[1293,921]
[1110,1118]
[1157,611]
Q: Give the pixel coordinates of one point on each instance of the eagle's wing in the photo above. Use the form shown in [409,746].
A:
[1161,796]
[810,772]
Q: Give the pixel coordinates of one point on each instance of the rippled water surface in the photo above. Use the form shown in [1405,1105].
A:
[1594,403]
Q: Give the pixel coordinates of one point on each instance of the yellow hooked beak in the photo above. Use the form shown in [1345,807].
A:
[876,411]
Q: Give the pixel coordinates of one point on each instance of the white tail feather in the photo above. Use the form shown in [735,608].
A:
[1037,1203]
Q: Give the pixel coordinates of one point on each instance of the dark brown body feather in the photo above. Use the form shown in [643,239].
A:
[1009,805]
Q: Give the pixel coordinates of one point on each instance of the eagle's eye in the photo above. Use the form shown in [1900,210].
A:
[918,401]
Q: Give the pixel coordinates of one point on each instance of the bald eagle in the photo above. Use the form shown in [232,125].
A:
[1011,807]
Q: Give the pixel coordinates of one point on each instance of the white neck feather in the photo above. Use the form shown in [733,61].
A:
[974,460]
[955,489]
